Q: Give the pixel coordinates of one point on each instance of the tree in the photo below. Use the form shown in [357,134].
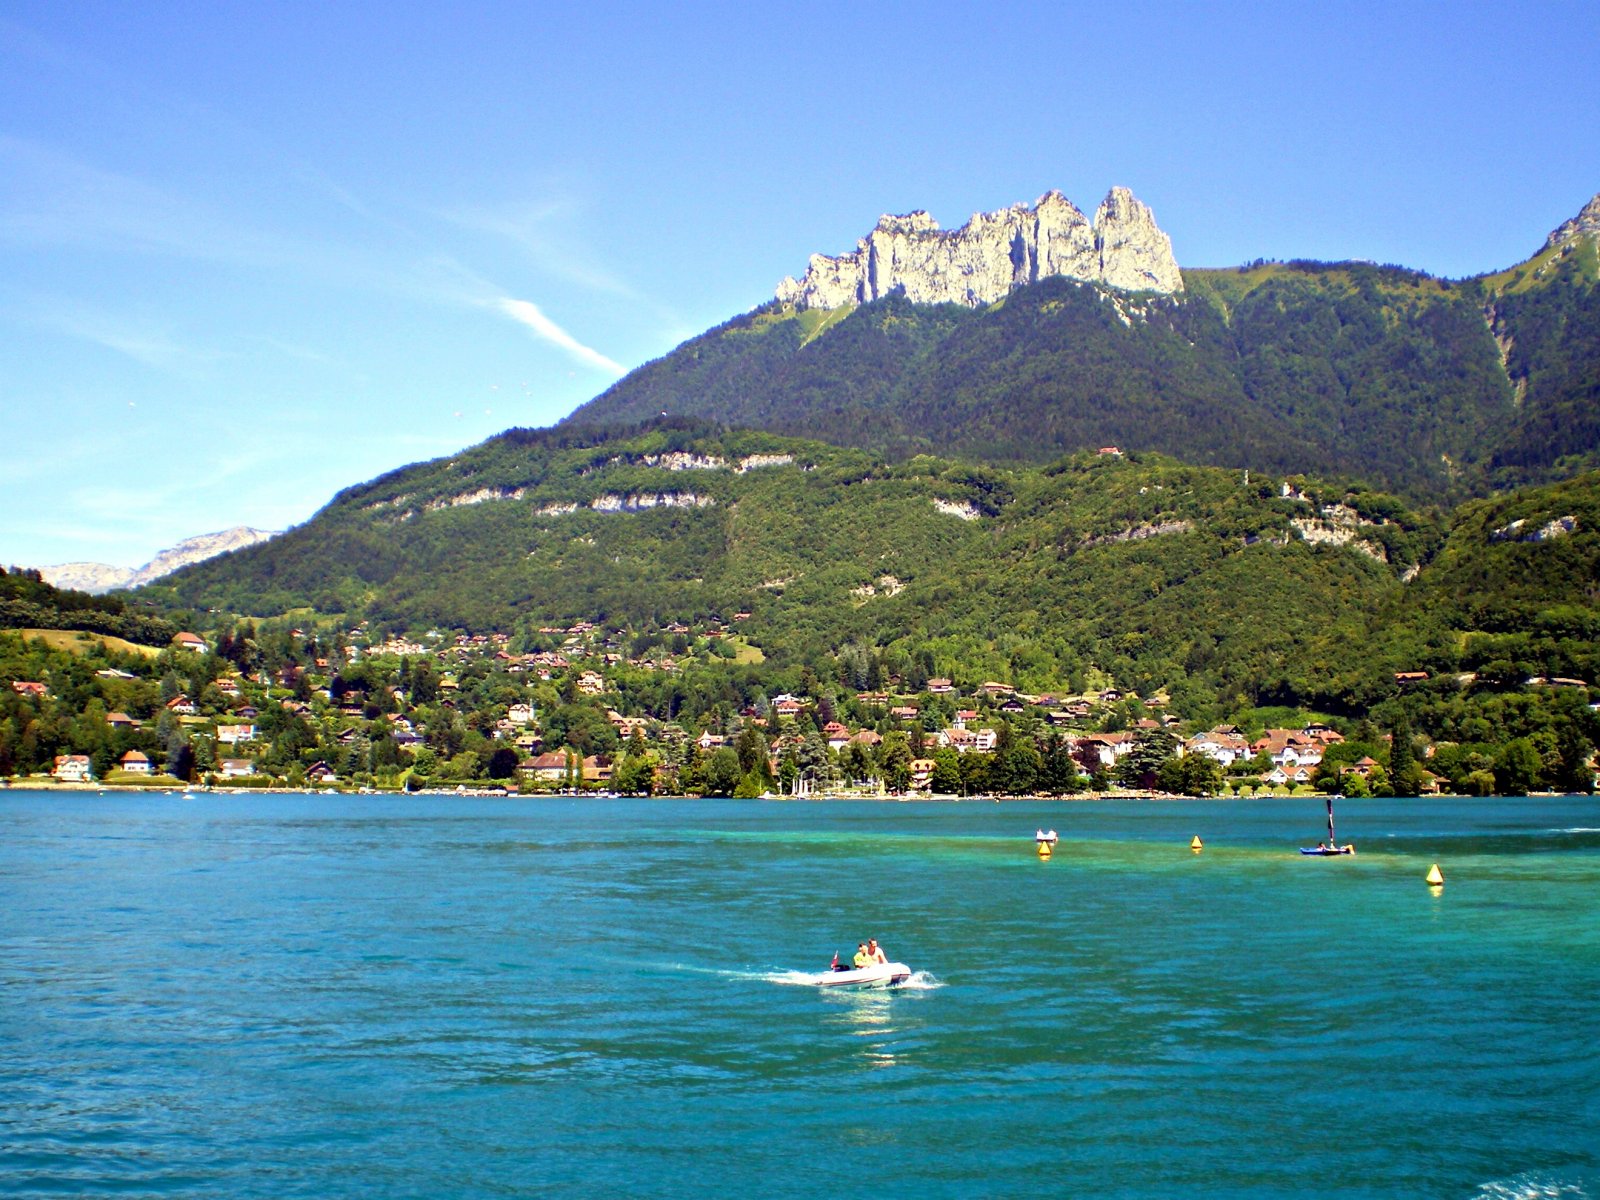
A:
[1516,768]
[722,772]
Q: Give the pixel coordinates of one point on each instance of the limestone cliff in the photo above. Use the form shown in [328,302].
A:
[1585,225]
[992,253]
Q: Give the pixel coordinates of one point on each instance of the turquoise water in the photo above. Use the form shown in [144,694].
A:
[427,997]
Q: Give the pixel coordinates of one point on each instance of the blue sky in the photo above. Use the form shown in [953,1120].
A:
[251,254]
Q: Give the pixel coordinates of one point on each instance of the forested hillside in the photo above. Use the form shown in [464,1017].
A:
[1430,388]
[1156,573]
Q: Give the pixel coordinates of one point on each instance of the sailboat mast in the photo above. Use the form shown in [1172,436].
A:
[1330,821]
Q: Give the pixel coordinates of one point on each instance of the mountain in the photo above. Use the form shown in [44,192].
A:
[992,254]
[98,578]
[1436,389]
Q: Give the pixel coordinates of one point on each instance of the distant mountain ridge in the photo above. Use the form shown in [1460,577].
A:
[98,578]
[1439,389]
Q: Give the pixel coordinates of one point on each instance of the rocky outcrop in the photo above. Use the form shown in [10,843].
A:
[1585,225]
[96,578]
[992,253]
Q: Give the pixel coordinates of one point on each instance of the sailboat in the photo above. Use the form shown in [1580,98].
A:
[1331,846]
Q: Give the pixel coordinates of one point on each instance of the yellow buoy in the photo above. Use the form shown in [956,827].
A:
[1435,876]
[1044,849]
[1197,845]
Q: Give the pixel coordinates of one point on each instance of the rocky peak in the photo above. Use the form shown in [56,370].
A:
[992,253]
[1585,225]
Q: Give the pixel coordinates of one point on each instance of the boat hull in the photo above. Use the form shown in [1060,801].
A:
[1327,851]
[880,975]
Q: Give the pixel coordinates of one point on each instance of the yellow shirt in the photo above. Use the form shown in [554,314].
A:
[862,959]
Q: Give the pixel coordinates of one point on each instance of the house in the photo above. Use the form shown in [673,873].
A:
[553,766]
[235,768]
[940,687]
[905,712]
[962,717]
[520,714]
[192,642]
[25,687]
[788,706]
[120,720]
[956,739]
[868,738]
[321,773]
[233,734]
[135,762]
[596,769]
[591,684]
[837,736]
[113,673]
[710,741]
[921,774]
[1364,765]
[1224,744]
[985,740]
[993,689]
[180,705]
[73,768]
[1405,677]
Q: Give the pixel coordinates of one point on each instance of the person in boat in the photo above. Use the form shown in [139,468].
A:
[863,958]
[875,952]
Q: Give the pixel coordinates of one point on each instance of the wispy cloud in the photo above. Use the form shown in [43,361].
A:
[536,227]
[528,313]
[137,337]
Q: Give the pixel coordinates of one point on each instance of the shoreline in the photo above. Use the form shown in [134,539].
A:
[53,785]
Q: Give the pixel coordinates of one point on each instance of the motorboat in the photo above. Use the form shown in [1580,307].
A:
[878,975]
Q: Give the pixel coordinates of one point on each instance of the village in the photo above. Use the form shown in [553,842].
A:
[347,710]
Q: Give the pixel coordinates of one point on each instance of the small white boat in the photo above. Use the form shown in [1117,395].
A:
[878,975]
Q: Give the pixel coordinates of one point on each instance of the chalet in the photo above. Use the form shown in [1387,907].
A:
[192,642]
[1363,766]
[905,712]
[180,705]
[941,687]
[120,720]
[229,687]
[1406,677]
[962,717]
[73,768]
[922,774]
[957,739]
[992,689]
[135,762]
[321,773]
[247,712]
[23,687]
[521,714]
[837,736]
[788,707]
[235,768]
[232,734]
[591,684]
[1281,775]
[710,741]
[868,738]
[872,698]
[1013,707]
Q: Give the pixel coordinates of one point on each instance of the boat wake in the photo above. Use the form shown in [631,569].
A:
[1529,1186]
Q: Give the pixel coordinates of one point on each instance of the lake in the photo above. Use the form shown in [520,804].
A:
[348,996]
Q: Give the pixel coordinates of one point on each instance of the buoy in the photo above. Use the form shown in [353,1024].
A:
[1197,845]
[1044,849]
[1435,876]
